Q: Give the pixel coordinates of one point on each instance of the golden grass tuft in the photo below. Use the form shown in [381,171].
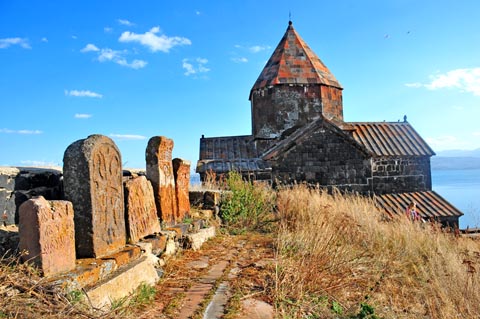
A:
[339,250]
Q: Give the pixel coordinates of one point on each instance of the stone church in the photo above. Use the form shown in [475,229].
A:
[299,135]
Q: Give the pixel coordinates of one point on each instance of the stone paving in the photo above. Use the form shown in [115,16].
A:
[200,284]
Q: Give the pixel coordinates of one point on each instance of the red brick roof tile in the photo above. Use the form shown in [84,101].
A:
[293,62]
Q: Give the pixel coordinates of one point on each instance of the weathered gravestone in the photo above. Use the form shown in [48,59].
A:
[181,172]
[160,172]
[47,235]
[92,170]
[141,213]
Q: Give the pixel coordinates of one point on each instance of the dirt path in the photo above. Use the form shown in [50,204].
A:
[228,272]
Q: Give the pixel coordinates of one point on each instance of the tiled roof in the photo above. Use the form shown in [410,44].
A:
[293,62]
[429,204]
[389,138]
[223,154]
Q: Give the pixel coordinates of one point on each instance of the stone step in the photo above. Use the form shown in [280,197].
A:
[122,283]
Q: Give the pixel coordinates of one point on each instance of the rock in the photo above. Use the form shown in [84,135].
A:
[256,309]
[47,236]
[160,173]
[181,172]
[93,183]
[196,240]
[140,209]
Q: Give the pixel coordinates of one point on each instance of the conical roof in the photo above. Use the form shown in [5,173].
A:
[293,62]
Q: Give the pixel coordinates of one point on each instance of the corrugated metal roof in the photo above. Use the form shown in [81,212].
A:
[228,147]
[293,62]
[389,138]
[238,165]
[230,153]
[429,204]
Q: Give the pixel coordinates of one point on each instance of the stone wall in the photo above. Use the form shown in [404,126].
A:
[18,184]
[327,159]
[401,174]
[277,109]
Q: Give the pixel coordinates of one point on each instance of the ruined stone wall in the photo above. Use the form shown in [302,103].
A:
[326,159]
[277,109]
[20,184]
[401,174]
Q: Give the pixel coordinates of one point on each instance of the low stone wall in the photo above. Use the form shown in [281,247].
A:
[18,184]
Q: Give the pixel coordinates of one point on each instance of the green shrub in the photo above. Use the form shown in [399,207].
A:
[246,206]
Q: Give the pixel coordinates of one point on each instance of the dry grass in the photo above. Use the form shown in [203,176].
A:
[337,250]
[25,294]
[212,182]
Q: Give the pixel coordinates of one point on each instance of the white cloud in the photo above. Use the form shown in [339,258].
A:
[127,137]
[107,29]
[476,133]
[196,66]
[117,57]
[135,64]
[239,60]
[414,85]
[23,132]
[125,22]
[198,13]
[154,42]
[7,42]
[83,93]
[82,116]
[44,39]
[188,67]
[466,80]
[258,48]
[74,37]
[38,163]
[445,142]
[90,48]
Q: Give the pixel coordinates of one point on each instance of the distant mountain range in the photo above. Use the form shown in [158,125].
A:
[456,159]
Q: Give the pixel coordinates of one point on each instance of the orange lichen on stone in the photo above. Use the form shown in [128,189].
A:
[181,171]
[47,235]
[140,209]
[160,173]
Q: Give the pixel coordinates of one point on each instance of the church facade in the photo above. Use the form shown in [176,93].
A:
[299,135]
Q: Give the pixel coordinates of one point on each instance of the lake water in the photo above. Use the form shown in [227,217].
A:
[462,189]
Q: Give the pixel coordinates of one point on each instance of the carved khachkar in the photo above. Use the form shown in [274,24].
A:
[141,213]
[92,171]
[47,235]
[181,171]
[160,173]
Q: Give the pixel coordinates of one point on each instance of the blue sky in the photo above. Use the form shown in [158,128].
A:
[135,69]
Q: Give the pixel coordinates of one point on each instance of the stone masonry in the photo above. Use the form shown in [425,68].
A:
[47,235]
[19,184]
[181,172]
[93,183]
[160,173]
[140,210]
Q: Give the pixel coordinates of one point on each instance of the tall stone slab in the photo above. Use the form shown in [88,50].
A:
[92,169]
[140,209]
[181,172]
[160,173]
[47,235]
